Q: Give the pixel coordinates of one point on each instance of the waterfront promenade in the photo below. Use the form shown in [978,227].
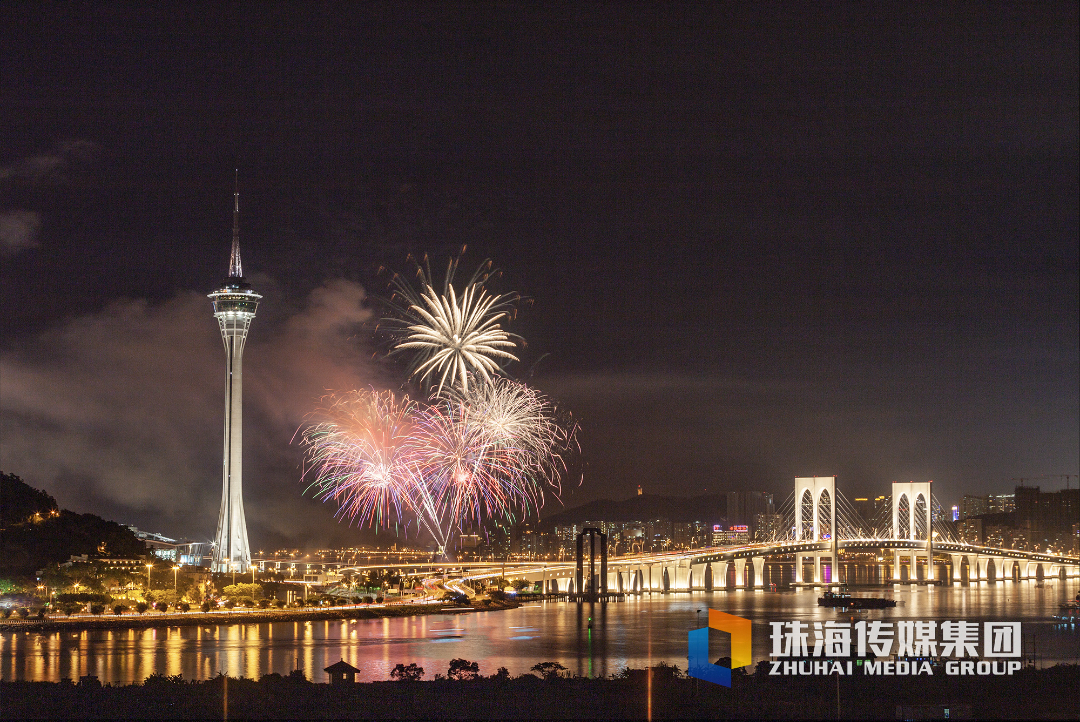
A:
[149,619]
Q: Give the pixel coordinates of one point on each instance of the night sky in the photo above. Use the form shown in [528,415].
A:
[760,241]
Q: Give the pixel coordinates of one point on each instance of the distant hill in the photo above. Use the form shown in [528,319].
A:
[39,534]
[708,508]
[19,501]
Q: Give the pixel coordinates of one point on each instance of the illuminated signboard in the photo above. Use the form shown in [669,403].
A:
[740,527]
[717,527]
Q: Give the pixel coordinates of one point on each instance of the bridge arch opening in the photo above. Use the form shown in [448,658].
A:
[903,518]
[807,530]
[825,515]
[920,518]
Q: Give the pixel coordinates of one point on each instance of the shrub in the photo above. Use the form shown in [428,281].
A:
[279,603]
[205,606]
[119,609]
[378,600]
[264,604]
[96,609]
[161,607]
[185,607]
[463,670]
[496,595]
[248,602]
[141,607]
[22,612]
[230,603]
[367,600]
[410,673]
[5,613]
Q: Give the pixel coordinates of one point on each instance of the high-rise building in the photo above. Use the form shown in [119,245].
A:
[769,527]
[234,308]
[973,506]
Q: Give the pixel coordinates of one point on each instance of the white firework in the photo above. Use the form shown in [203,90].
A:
[454,335]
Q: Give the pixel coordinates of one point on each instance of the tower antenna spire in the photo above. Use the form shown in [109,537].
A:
[235,270]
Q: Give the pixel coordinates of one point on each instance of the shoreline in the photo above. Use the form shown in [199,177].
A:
[656,692]
[150,620]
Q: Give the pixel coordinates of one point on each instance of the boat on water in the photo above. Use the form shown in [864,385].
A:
[844,600]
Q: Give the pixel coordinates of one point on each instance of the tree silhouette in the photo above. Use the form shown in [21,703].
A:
[463,670]
[410,673]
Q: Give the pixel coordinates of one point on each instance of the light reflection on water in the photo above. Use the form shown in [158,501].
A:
[635,633]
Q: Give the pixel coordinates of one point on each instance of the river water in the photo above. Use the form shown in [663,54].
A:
[640,632]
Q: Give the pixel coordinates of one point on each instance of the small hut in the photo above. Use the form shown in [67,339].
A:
[342,673]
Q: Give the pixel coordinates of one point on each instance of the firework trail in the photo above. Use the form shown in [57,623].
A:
[455,335]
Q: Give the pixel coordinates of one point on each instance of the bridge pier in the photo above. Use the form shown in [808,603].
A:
[740,574]
[957,564]
[759,572]
[723,569]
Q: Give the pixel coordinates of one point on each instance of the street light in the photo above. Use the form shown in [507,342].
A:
[174,572]
[148,568]
[252,573]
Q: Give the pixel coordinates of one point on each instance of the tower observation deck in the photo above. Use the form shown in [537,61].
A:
[234,307]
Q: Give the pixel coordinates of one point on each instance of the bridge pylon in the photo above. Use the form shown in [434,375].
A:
[912,505]
[815,520]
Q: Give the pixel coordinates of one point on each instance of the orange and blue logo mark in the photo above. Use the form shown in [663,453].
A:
[698,648]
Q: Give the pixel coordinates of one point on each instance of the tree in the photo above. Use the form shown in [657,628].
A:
[238,591]
[141,607]
[410,673]
[205,606]
[463,670]
[97,609]
[502,674]
[119,609]
[550,670]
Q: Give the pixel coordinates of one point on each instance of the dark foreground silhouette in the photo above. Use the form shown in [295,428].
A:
[661,691]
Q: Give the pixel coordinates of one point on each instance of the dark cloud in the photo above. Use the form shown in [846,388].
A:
[27,184]
[18,230]
[120,412]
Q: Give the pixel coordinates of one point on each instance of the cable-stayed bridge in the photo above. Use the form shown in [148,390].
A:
[823,540]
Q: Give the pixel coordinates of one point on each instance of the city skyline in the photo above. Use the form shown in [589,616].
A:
[757,245]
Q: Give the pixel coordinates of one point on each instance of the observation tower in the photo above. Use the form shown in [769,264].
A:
[234,307]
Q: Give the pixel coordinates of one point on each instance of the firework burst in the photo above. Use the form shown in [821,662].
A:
[359,452]
[453,335]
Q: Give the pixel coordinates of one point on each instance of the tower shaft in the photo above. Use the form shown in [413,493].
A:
[235,304]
